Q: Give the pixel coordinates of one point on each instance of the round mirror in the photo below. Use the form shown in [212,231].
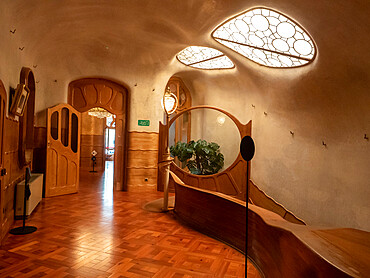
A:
[204,141]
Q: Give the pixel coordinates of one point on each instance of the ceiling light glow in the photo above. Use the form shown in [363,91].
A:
[204,58]
[268,38]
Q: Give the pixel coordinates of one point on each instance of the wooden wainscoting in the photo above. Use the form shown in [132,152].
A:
[92,138]
[13,176]
[142,161]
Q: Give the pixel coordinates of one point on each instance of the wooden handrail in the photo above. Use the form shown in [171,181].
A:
[278,247]
[203,210]
[284,249]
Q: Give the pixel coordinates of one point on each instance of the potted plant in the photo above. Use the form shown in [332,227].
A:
[201,157]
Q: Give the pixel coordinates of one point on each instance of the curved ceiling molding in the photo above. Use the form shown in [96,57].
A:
[201,57]
[268,38]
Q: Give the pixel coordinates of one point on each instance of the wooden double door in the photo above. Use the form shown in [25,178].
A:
[63,150]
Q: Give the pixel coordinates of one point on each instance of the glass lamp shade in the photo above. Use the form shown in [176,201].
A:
[169,102]
[99,112]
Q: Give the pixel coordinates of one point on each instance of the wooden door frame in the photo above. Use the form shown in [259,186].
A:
[180,85]
[26,122]
[3,98]
[113,97]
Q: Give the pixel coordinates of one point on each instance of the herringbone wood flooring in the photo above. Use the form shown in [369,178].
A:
[96,233]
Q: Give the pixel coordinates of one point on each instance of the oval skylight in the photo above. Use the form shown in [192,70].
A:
[204,58]
[268,38]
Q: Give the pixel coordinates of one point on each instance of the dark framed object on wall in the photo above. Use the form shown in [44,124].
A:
[20,100]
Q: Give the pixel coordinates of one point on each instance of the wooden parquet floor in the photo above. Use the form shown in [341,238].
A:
[96,233]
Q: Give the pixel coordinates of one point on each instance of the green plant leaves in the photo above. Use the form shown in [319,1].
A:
[181,151]
[202,158]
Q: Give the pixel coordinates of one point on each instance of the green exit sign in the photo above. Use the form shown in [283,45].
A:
[143,122]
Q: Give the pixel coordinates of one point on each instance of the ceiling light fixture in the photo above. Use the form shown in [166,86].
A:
[99,112]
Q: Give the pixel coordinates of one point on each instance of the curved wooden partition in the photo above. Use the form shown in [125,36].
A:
[277,247]
[232,181]
[284,249]
[213,213]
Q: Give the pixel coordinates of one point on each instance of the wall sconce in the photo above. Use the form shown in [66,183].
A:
[169,102]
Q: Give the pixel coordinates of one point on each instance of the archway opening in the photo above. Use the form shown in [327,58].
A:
[88,93]
[97,148]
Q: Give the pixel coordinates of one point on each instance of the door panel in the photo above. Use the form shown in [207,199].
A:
[72,176]
[52,160]
[63,151]
[2,173]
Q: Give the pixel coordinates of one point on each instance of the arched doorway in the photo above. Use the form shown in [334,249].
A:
[87,93]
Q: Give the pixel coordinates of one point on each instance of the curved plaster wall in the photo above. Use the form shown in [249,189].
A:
[326,101]
[135,42]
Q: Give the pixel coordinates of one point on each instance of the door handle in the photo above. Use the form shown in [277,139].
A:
[3,172]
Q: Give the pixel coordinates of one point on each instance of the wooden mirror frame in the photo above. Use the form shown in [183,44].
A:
[231,181]
[19,104]
[178,88]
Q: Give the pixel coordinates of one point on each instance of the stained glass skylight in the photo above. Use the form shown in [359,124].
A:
[204,58]
[268,38]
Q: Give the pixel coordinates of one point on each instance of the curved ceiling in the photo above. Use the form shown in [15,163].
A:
[98,37]
[136,41]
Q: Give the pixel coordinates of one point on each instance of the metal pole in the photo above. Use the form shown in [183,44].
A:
[23,230]
[25,200]
[247,200]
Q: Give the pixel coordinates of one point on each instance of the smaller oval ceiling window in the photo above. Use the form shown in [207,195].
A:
[201,57]
[268,38]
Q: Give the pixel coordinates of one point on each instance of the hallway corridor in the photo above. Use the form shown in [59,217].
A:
[96,233]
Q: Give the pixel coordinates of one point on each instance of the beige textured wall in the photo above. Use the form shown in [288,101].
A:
[135,42]
[326,101]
